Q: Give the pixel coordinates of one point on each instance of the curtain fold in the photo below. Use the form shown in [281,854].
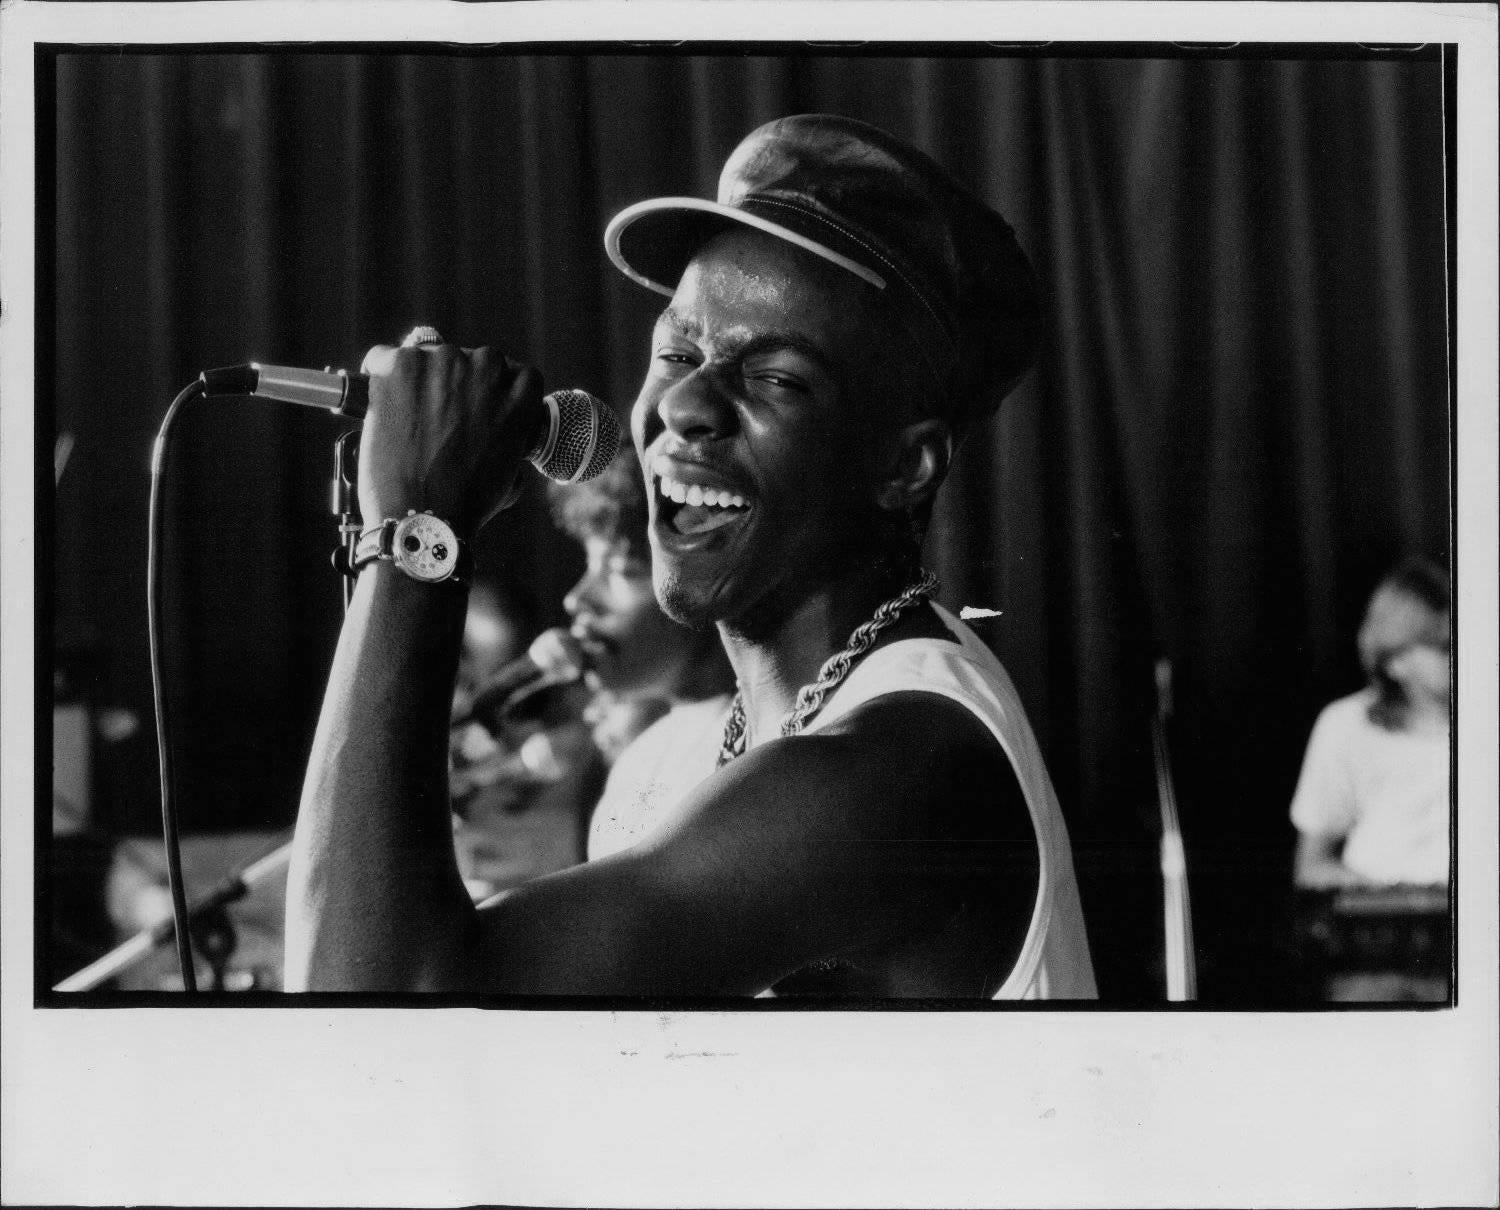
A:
[1238,421]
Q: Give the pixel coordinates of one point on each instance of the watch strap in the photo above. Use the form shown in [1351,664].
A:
[379,544]
[373,544]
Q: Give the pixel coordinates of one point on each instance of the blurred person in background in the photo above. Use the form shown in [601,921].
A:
[527,781]
[663,689]
[1371,805]
[521,780]
[499,623]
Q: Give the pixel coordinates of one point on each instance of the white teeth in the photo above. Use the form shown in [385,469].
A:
[696,494]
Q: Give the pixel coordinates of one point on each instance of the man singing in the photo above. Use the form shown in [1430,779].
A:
[881,823]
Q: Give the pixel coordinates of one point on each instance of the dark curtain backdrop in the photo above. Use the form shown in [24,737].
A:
[1238,421]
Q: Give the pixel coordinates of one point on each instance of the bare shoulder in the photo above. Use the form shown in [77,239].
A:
[904,763]
[900,835]
[886,797]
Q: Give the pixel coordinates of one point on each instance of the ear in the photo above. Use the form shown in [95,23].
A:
[914,464]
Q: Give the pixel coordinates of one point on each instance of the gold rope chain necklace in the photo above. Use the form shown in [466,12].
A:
[810,697]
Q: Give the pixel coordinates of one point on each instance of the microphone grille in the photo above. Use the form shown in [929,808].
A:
[588,437]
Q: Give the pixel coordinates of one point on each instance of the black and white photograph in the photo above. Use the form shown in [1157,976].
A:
[646,610]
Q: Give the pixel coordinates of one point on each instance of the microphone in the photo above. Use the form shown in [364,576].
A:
[576,438]
[555,657]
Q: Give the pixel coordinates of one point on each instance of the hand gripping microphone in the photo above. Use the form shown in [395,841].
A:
[576,436]
[555,657]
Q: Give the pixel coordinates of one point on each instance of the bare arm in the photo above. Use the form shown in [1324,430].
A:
[1325,806]
[800,850]
[1316,863]
[374,899]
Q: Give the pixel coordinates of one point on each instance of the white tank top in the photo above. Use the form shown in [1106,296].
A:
[1054,963]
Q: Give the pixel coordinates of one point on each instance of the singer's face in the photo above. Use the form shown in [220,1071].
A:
[633,647]
[753,427]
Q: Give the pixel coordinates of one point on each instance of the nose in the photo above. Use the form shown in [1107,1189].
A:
[695,408]
[583,596]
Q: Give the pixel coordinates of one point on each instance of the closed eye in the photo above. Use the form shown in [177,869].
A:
[672,364]
[782,382]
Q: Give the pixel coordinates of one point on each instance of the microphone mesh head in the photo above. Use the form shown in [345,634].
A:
[588,437]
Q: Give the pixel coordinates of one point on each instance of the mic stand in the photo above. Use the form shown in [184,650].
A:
[215,936]
[345,505]
[216,940]
[1180,953]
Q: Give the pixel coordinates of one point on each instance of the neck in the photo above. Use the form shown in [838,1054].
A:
[781,649]
[1426,714]
[707,674]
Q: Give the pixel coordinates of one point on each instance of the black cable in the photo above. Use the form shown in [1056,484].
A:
[163,746]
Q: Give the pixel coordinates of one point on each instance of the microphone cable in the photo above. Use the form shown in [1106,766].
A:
[164,753]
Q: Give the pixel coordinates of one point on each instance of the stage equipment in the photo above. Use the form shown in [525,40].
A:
[205,917]
[1177,910]
[1375,942]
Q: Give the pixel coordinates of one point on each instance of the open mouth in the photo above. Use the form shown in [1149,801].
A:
[690,508]
[595,646]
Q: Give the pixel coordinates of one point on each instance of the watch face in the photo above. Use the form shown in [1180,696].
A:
[424,547]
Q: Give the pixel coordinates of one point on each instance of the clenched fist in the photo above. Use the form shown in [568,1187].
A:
[447,431]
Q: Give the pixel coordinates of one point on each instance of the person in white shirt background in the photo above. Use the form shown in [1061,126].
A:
[663,689]
[1372,802]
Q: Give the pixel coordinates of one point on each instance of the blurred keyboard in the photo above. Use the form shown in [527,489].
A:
[1395,937]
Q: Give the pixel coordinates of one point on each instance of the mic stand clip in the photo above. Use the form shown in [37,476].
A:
[345,506]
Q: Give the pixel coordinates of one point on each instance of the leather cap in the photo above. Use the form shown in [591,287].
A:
[862,199]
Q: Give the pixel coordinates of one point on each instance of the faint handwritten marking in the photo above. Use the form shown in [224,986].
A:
[702,1054]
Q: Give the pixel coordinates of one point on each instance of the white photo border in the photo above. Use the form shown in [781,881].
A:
[457,1106]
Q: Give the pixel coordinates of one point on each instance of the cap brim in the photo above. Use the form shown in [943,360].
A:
[652,242]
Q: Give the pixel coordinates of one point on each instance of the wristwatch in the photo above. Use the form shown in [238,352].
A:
[421,545]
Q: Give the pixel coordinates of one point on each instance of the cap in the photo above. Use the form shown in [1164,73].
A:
[876,206]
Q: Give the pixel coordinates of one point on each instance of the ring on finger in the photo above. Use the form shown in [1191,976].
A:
[422,334]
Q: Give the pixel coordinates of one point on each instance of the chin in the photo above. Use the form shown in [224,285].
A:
[680,603]
[694,604]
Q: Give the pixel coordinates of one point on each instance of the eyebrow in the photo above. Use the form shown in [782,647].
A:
[761,342]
